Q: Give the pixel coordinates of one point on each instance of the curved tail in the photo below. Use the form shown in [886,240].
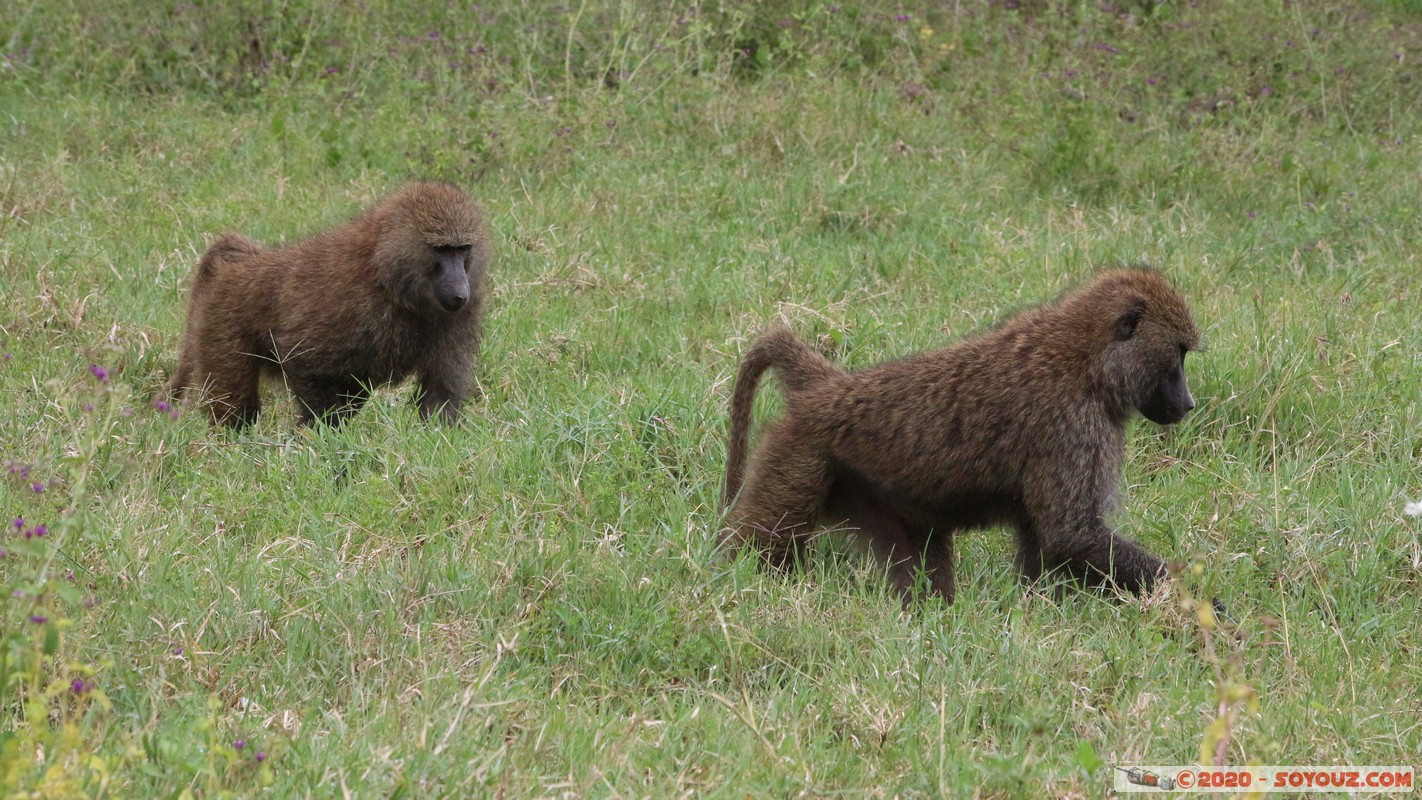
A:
[798,367]
[226,248]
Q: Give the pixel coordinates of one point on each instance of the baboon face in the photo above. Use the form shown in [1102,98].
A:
[1170,400]
[449,277]
[1156,346]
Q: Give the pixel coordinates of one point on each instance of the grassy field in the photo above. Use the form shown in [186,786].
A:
[531,604]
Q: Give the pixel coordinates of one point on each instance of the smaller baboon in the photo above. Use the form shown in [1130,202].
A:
[395,292]
[1022,425]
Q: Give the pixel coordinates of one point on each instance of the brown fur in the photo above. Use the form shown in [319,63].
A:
[1023,425]
[336,314]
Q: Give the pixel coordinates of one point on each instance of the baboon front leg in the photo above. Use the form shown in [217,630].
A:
[1108,556]
[445,379]
[938,562]
[329,400]
[436,396]
[1030,561]
[1091,553]
[1063,529]
[782,497]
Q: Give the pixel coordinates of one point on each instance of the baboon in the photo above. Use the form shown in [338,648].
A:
[395,292]
[1022,425]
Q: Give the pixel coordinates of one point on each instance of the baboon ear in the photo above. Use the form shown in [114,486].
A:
[1127,322]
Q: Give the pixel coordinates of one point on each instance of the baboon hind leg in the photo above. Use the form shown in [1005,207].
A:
[908,545]
[782,497]
[182,376]
[231,392]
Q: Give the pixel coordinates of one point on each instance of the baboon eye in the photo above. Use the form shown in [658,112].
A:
[1126,324]
[445,252]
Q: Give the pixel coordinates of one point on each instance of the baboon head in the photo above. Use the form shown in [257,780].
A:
[432,247]
[1144,363]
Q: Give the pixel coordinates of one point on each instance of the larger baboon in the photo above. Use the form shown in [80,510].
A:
[395,292]
[1023,425]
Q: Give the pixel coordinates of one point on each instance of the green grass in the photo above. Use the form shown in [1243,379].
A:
[530,604]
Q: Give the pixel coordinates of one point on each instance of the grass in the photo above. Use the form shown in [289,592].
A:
[530,604]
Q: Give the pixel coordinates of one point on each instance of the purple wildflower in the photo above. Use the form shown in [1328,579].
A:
[38,619]
[239,744]
[19,523]
[901,17]
[80,686]
[261,757]
[99,372]
[162,405]
[38,488]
